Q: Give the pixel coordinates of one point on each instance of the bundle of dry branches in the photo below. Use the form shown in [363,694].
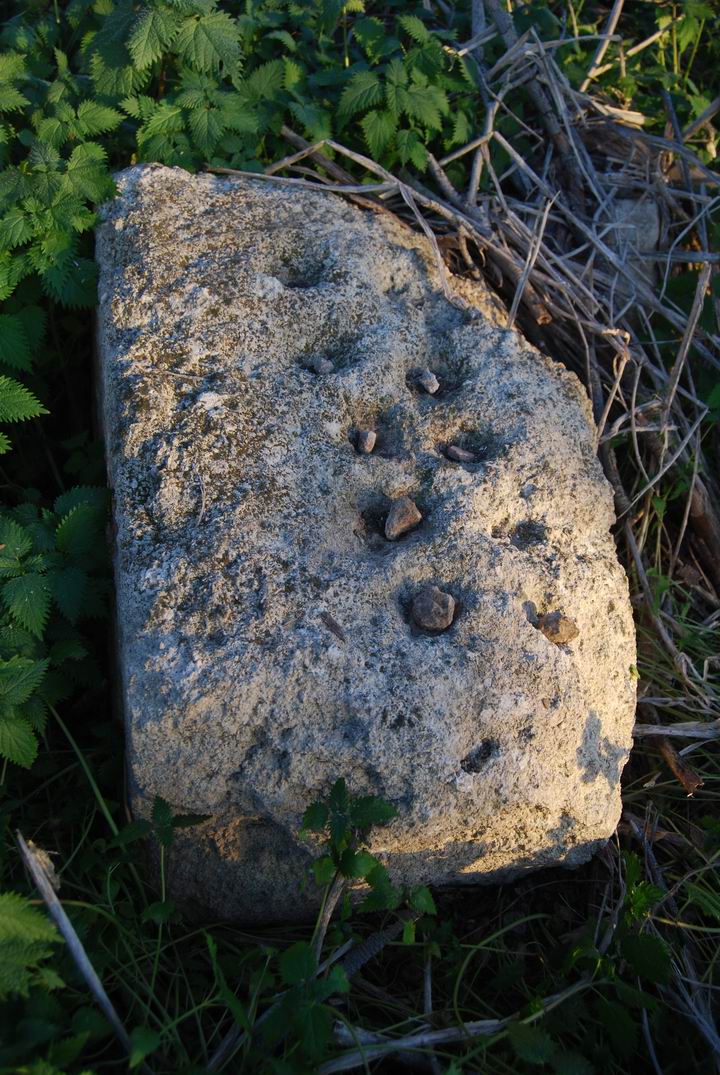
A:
[580,236]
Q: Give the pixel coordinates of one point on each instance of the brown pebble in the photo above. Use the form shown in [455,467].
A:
[427,380]
[459,455]
[366,440]
[403,516]
[433,609]
[321,365]
[557,628]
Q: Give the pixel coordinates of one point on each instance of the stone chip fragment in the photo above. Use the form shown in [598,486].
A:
[366,439]
[557,628]
[404,515]
[433,609]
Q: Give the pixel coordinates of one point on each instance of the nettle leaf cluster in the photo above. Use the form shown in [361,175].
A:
[52,568]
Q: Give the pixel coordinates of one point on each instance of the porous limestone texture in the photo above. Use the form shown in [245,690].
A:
[265,627]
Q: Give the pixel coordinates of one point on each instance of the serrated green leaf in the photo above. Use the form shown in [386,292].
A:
[16,227]
[530,1043]
[297,963]
[425,104]
[571,1064]
[19,677]
[69,588]
[357,863]
[17,403]
[12,66]
[159,912]
[14,344]
[72,280]
[151,36]
[315,1027]
[11,100]
[421,899]
[384,896]
[369,810]
[411,148]
[362,91]
[143,1042]
[323,870]
[87,174]
[267,80]
[17,741]
[415,28]
[315,818]
[26,938]
[15,542]
[648,955]
[622,1030]
[205,128]
[162,821]
[27,598]
[76,534]
[209,41]
[378,128]
[90,495]
[35,711]
[94,118]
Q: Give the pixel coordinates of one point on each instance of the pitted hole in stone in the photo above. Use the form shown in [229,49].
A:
[483,444]
[388,425]
[406,595]
[372,515]
[477,759]
[451,374]
[299,270]
[371,523]
[391,435]
[528,533]
[341,354]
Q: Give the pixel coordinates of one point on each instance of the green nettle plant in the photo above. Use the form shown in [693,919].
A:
[52,572]
[91,86]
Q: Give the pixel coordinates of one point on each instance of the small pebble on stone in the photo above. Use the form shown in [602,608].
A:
[427,380]
[557,628]
[366,440]
[321,365]
[460,455]
[433,609]
[403,516]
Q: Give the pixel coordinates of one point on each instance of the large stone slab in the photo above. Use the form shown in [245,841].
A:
[247,333]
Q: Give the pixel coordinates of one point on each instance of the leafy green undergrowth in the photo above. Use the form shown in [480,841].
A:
[86,88]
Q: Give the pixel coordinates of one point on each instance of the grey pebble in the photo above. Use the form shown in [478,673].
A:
[403,516]
[433,609]
[366,439]
[321,365]
[460,455]
[427,380]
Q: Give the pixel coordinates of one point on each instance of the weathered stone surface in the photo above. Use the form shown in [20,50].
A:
[265,631]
